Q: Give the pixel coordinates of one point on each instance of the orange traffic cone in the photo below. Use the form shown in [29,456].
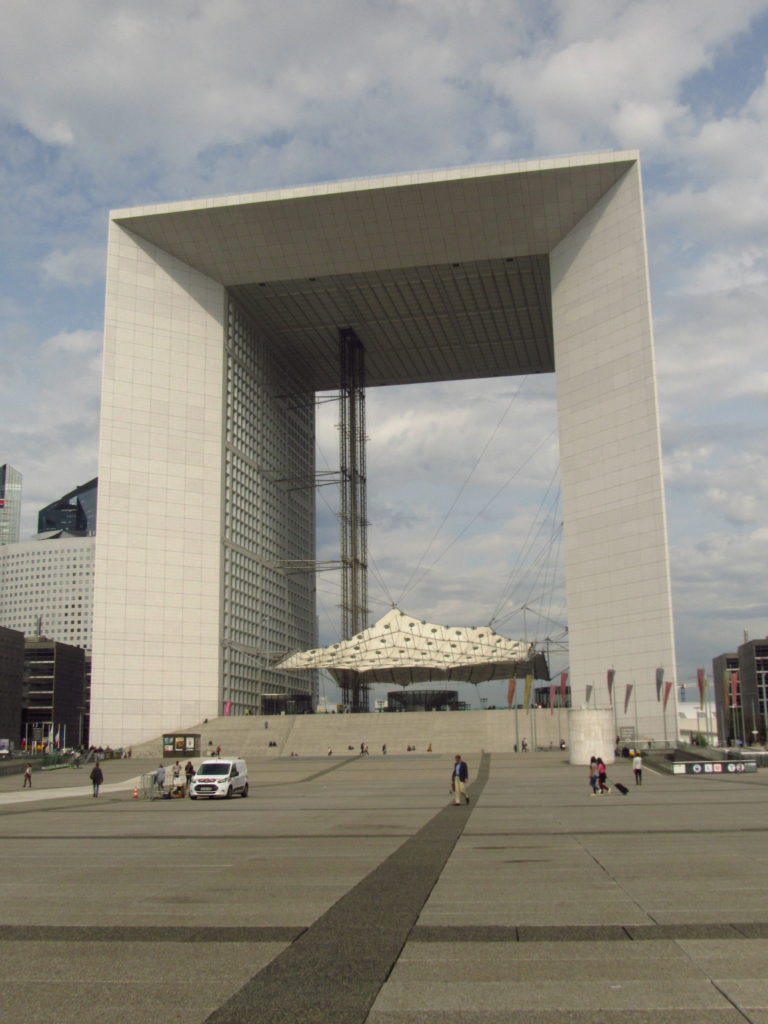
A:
[135,792]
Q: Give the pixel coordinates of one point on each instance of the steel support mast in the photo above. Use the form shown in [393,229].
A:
[353,505]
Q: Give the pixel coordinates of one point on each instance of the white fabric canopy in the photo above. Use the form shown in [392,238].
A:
[402,649]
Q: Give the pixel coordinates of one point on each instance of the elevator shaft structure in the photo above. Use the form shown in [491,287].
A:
[353,505]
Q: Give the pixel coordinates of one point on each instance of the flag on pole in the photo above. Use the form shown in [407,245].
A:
[552,699]
[702,684]
[734,689]
[667,688]
[610,677]
[528,687]
[227,706]
[511,687]
[627,695]
[659,682]
[588,696]
[563,687]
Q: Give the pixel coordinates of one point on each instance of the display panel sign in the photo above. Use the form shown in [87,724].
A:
[181,743]
[713,767]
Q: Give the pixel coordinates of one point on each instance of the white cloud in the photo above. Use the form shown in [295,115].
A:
[75,343]
[77,266]
[140,102]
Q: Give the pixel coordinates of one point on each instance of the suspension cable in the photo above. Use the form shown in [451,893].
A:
[465,484]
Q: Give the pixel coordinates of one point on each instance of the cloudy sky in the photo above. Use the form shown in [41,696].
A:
[110,105]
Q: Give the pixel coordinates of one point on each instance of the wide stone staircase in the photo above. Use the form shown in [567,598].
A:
[447,732]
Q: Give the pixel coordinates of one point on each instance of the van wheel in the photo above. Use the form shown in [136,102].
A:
[245,790]
[229,793]
[192,796]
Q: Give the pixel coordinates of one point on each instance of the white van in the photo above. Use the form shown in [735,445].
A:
[219,776]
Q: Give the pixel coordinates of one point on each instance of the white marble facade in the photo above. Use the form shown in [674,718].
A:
[217,310]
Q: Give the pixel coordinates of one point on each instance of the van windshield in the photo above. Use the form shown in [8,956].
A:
[213,768]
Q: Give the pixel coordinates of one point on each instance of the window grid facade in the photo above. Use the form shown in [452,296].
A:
[269,513]
[10,505]
[46,587]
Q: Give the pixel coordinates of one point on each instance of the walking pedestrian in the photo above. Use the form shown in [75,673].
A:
[459,776]
[384,748]
[637,768]
[27,783]
[602,776]
[189,771]
[160,778]
[97,777]
[593,775]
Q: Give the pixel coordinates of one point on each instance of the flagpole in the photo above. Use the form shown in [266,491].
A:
[637,721]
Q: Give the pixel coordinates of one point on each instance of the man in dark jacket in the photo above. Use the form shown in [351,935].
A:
[97,777]
[459,776]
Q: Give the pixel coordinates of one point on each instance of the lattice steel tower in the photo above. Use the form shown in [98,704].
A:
[353,513]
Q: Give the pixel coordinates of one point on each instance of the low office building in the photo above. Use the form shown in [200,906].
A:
[753,683]
[11,682]
[741,693]
[54,698]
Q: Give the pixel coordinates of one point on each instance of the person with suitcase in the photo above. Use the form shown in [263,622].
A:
[602,777]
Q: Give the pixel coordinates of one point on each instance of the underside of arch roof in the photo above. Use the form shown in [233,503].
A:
[402,649]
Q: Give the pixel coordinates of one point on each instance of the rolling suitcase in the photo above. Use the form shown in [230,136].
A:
[621,788]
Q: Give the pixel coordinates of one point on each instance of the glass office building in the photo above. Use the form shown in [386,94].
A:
[10,504]
[74,512]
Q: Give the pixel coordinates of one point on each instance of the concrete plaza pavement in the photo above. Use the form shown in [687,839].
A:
[349,890]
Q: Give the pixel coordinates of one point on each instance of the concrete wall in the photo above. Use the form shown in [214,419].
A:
[616,564]
[158,549]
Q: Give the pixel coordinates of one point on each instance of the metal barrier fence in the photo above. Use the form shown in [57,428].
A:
[149,790]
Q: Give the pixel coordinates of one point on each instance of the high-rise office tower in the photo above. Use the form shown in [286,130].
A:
[10,504]
[74,512]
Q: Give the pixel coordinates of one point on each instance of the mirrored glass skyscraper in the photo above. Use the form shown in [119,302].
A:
[10,504]
[75,512]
